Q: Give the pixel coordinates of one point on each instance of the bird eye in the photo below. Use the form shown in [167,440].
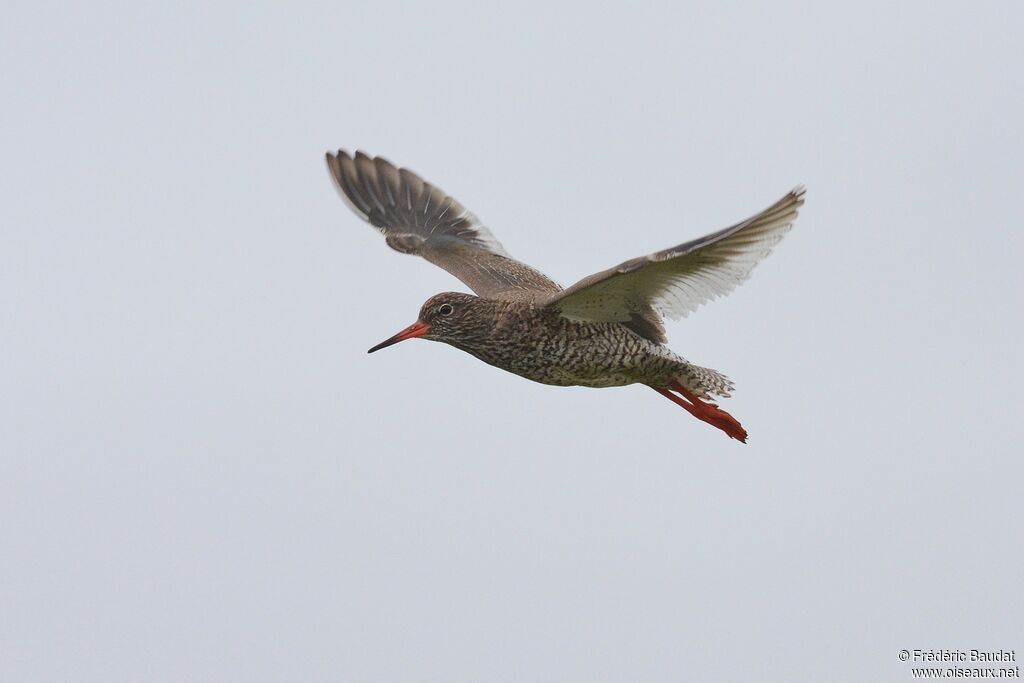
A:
[445,309]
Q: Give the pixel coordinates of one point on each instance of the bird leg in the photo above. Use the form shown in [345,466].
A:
[704,411]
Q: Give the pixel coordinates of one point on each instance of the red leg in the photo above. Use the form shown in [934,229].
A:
[707,412]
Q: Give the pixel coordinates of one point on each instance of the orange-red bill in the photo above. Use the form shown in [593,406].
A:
[417,329]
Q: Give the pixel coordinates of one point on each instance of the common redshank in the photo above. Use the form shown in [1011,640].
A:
[604,331]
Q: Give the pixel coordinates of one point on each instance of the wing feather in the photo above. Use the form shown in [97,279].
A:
[418,218]
[675,281]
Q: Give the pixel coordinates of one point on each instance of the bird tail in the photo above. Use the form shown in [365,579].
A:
[704,411]
[704,382]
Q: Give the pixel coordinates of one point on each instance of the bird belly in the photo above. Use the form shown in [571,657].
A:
[596,381]
[595,356]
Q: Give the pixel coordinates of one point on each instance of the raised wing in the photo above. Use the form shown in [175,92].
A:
[676,281]
[418,218]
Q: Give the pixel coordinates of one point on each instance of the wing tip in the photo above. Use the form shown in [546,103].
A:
[341,166]
[798,193]
[340,153]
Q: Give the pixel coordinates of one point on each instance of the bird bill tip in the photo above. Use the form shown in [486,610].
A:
[417,329]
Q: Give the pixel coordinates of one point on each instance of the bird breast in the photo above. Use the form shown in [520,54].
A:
[545,347]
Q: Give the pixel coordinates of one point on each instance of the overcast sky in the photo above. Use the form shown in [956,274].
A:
[204,477]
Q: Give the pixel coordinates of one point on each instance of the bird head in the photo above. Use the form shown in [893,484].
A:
[444,317]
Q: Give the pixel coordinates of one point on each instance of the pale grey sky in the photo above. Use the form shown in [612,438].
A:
[204,477]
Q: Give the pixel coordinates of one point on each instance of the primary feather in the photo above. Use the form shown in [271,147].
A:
[675,281]
[418,218]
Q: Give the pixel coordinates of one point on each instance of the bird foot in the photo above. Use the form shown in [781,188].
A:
[704,411]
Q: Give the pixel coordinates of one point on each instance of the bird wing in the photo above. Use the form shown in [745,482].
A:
[418,218]
[676,281]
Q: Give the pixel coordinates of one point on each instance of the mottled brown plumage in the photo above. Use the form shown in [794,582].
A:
[604,331]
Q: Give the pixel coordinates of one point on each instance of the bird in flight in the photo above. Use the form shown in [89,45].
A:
[604,331]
